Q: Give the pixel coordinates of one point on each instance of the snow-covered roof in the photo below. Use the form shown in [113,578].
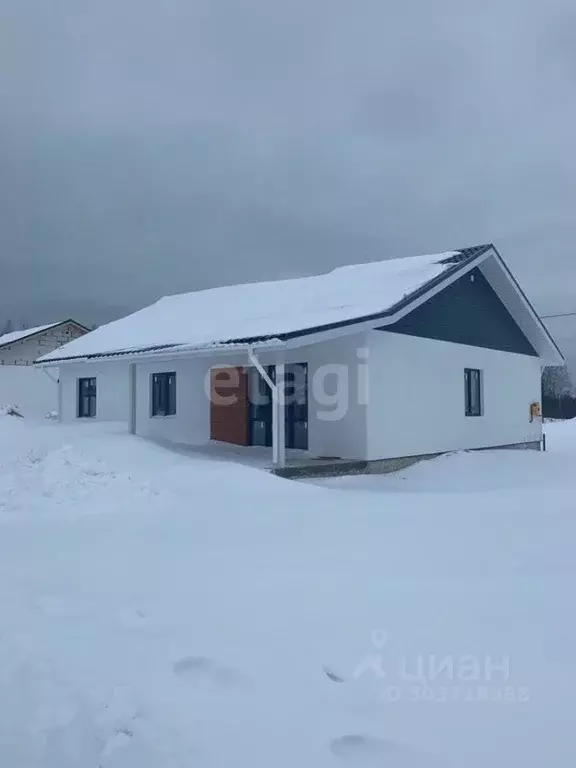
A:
[14,336]
[270,311]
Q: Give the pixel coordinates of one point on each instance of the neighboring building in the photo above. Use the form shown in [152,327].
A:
[26,346]
[372,364]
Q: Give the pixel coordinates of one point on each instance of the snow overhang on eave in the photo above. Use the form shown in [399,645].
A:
[166,352]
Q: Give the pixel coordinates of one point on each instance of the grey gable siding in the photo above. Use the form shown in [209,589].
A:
[467,312]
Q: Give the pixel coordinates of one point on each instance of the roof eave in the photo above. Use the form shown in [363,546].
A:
[164,354]
[549,352]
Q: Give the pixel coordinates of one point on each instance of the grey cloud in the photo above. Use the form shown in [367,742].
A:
[151,147]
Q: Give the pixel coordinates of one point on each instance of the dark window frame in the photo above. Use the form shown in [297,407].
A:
[296,407]
[260,407]
[87,394]
[163,394]
[473,392]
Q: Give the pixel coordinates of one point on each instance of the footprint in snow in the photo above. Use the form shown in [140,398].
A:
[362,751]
[61,607]
[132,618]
[365,750]
[200,668]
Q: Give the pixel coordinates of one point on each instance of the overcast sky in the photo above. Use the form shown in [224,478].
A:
[159,146]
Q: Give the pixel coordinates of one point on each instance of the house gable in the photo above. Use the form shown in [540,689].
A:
[25,346]
[468,311]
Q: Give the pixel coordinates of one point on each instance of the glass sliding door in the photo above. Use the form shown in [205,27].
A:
[260,404]
[295,409]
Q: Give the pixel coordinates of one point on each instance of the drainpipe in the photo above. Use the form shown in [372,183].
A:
[58,392]
[277,391]
[50,377]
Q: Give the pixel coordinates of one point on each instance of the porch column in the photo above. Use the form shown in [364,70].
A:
[278,419]
[132,398]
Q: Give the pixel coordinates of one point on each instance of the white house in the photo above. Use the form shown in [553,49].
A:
[24,347]
[371,364]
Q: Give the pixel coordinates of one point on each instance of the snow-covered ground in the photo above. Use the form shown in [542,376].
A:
[163,611]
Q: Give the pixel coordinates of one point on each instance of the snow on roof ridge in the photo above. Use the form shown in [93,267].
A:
[409,261]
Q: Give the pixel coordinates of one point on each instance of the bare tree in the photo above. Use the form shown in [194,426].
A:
[556,381]
[558,392]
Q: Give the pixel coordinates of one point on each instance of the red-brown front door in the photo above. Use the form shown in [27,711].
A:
[229,406]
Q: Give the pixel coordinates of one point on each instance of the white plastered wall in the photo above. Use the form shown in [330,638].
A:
[417,397]
[112,401]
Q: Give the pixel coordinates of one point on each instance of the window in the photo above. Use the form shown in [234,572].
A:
[473,391]
[163,394]
[86,398]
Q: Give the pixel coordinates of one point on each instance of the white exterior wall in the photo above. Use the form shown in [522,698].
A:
[417,397]
[191,422]
[337,396]
[405,398]
[112,400]
[25,352]
[336,426]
